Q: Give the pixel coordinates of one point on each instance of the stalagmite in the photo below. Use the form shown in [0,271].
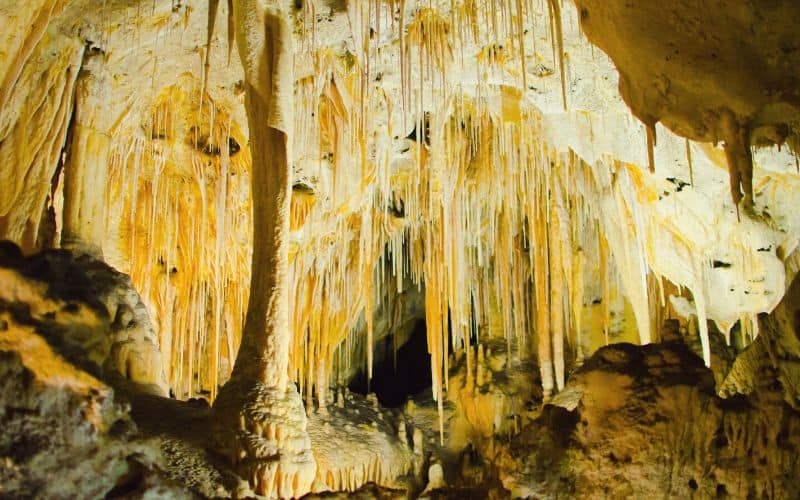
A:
[258,394]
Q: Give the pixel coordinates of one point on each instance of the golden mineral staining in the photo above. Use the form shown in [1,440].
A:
[365,165]
[486,191]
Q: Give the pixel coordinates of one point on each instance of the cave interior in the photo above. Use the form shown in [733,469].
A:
[399,249]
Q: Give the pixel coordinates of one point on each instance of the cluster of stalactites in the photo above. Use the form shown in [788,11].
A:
[471,219]
[454,243]
[432,35]
[176,201]
[503,215]
[489,214]
[462,231]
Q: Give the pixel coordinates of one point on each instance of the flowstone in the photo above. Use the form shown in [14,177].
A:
[262,431]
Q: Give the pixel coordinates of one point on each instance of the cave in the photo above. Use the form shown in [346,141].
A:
[401,375]
[399,249]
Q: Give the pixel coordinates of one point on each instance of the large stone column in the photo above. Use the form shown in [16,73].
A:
[260,422]
[86,166]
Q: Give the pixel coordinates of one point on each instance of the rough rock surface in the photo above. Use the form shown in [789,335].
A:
[63,432]
[357,442]
[89,309]
[775,349]
[710,71]
[647,423]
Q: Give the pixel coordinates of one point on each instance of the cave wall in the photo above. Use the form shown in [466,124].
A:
[484,154]
[400,148]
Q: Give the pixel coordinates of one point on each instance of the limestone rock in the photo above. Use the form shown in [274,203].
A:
[650,423]
[89,309]
[64,435]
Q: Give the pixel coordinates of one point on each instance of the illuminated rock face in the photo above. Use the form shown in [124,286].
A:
[290,184]
[710,71]
[113,339]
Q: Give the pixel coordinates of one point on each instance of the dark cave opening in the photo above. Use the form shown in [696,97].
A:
[394,384]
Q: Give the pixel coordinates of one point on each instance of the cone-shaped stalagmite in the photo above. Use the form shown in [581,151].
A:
[260,421]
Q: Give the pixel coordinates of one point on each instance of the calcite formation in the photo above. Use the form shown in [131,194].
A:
[710,71]
[237,213]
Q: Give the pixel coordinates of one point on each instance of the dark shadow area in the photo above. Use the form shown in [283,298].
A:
[412,375]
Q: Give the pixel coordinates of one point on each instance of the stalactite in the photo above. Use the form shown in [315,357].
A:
[556,289]
[604,286]
[543,300]
[700,303]
[651,143]
[557,34]
[576,299]
[740,160]
[220,230]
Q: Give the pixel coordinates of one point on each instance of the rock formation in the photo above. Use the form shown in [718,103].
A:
[470,247]
[260,421]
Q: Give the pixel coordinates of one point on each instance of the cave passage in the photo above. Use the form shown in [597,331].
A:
[411,376]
